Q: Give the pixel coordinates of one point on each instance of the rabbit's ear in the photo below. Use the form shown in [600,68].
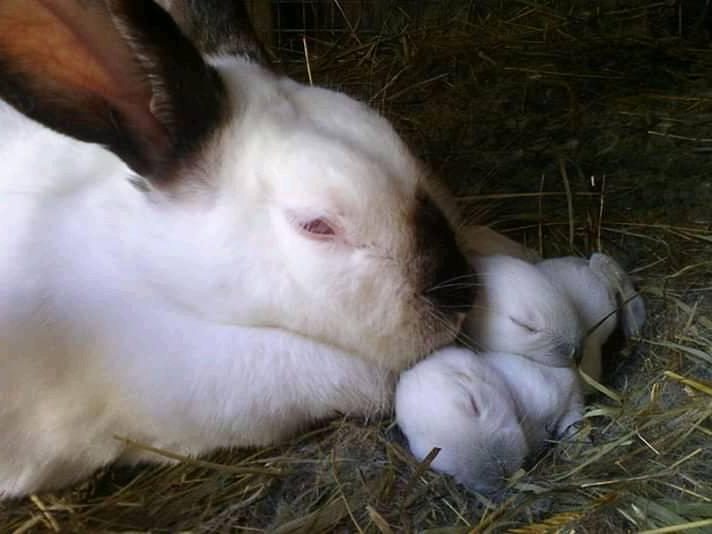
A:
[217,27]
[630,303]
[115,72]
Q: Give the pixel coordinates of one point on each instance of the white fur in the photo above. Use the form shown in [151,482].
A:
[525,381]
[539,314]
[593,285]
[530,319]
[519,310]
[211,321]
[456,401]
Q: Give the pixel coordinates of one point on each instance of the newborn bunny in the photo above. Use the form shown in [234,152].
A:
[198,253]
[456,401]
[604,297]
[521,313]
[489,410]
[599,288]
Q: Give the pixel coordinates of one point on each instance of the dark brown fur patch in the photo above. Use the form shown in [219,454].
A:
[219,27]
[444,274]
[116,73]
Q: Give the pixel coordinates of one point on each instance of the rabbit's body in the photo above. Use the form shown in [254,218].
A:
[477,240]
[129,364]
[189,287]
[548,398]
[25,170]
[487,412]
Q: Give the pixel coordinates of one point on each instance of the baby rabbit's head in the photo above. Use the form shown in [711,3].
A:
[454,401]
[268,202]
[520,311]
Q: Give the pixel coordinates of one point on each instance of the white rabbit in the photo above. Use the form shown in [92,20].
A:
[523,314]
[519,310]
[456,401]
[604,297]
[598,288]
[247,255]
[524,385]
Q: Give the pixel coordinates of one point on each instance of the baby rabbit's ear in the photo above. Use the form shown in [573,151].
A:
[217,27]
[115,72]
[633,313]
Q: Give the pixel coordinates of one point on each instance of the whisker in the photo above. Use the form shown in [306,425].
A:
[452,280]
[460,285]
[459,335]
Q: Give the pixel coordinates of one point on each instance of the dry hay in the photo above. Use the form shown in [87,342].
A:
[579,128]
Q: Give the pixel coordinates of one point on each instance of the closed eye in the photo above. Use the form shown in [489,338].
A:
[523,325]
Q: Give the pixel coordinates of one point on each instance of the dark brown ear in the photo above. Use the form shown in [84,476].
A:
[115,72]
[217,27]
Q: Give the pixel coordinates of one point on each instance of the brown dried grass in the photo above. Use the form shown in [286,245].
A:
[573,128]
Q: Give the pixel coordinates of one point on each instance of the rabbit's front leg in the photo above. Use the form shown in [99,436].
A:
[211,386]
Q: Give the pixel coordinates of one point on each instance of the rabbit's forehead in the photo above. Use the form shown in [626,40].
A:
[314,141]
[320,174]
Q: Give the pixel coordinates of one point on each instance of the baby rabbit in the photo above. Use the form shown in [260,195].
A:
[489,410]
[599,288]
[456,401]
[226,255]
[525,317]
[604,297]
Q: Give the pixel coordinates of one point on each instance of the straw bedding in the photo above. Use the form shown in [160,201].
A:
[573,126]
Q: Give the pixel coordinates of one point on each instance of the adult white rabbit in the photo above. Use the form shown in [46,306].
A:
[246,255]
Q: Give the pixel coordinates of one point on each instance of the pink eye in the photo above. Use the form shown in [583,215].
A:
[314,226]
[318,228]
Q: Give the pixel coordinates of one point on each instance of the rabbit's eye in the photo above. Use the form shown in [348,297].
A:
[473,406]
[314,226]
[523,325]
[318,227]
